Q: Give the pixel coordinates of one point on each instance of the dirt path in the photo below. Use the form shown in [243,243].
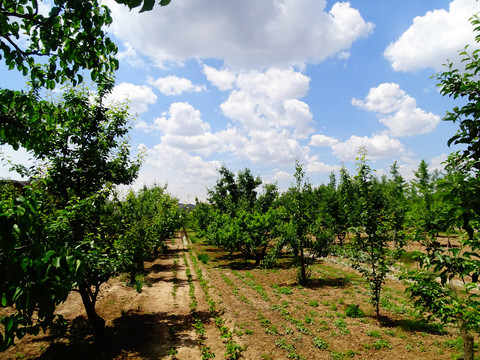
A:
[154,324]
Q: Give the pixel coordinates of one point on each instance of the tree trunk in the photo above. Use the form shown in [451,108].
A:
[303,273]
[89,301]
[468,352]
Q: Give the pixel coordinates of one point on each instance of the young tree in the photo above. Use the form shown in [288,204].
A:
[446,300]
[242,219]
[394,193]
[148,218]
[301,229]
[372,229]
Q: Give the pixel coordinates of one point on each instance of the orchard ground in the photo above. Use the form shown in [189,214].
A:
[263,311]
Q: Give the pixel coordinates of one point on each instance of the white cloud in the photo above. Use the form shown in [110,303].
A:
[222,79]
[138,97]
[245,34]
[377,146]
[183,119]
[343,55]
[269,100]
[266,109]
[183,128]
[282,175]
[271,147]
[322,140]
[130,56]
[434,38]
[398,111]
[168,165]
[321,168]
[173,85]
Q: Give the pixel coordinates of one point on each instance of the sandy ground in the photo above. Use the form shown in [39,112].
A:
[266,311]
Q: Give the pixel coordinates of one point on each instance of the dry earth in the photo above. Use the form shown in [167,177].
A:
[264,311]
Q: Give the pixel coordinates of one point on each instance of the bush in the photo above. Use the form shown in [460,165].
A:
[354,311]
[204,258]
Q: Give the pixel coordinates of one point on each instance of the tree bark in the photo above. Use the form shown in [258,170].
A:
[303,273]
[94,319]
[468,352]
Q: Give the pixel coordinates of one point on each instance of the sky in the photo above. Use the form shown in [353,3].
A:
[260,84]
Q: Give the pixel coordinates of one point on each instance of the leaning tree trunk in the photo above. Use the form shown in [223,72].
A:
[89,299]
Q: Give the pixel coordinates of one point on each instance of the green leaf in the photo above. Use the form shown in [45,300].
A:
[133,3]
[8,323]
[48,255]
[147,5]
[164,2]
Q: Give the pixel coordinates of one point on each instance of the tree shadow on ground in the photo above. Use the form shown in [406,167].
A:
[336,282]
[414,325]
[150,336]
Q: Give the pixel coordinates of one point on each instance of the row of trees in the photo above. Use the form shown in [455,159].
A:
[241,216]
[67,230]
[377,215]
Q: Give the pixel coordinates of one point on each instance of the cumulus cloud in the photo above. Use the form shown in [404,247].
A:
[173,85]
[265,107]
[434,38]
[322,140]
[268,119]
[397,111]
[282,175]
[138,97]
[245,34]
[164,164]
[271,147]
[222,79]
[270,100]
[378,146]
[182,127]
[130,56]
[182,119]
[319,167]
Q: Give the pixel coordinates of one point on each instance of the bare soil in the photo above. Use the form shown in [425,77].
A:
[268,313]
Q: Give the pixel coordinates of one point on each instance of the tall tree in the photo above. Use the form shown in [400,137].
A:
[87,154]
[52,237]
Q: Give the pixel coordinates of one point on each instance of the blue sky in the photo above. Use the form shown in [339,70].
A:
[258,84]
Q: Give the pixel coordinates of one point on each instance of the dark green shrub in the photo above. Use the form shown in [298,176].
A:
[354,311]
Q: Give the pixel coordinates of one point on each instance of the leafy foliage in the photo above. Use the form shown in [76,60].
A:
[301,229]
[239,219]
[372,230]
[450,302]
[148,218]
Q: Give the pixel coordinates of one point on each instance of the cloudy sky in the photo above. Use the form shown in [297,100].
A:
[259,84]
